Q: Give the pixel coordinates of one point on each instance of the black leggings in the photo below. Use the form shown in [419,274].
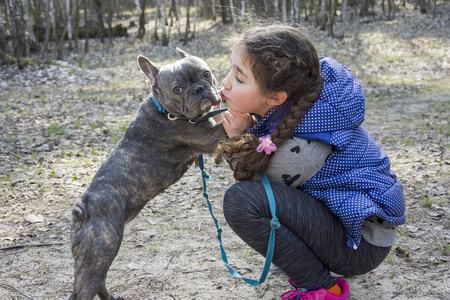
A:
[311,241]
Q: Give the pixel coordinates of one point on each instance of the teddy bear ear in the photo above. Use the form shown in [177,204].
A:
[150,69]
[183,54]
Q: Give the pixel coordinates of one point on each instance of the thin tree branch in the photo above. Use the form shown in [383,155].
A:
[164,276]
[29,245]
[11,288]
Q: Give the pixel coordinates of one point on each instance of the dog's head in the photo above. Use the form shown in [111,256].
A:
[185,88]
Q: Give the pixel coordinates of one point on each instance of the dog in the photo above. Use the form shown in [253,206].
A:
[157,149]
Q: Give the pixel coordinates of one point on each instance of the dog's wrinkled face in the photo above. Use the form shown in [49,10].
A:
[185,88]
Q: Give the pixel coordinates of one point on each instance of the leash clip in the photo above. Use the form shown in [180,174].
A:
[171,118]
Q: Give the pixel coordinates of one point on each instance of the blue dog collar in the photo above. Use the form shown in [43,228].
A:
[160,108]
[203,118]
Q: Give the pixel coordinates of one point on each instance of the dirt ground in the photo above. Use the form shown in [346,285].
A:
[59,121]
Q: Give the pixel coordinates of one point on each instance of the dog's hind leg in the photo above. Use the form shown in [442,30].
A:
[104,294]
[96,239]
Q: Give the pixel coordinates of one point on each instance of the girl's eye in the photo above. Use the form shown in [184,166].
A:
[207,74]
[177,90]
[238,80]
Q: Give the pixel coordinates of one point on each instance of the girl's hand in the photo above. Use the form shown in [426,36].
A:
[219,117]
[235,123]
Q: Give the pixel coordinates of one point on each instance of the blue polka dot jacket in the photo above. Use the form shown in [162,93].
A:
[356,181]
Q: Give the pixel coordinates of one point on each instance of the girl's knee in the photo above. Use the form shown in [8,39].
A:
[241,198]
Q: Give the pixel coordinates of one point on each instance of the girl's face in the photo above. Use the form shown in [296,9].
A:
[240,90]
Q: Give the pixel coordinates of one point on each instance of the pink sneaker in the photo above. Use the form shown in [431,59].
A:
[318,294]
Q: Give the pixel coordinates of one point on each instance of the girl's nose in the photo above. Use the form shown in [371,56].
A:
[226,82]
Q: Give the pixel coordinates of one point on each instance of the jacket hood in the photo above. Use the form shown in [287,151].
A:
[341,105]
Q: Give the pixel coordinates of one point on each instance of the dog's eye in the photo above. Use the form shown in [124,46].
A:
[207,74]
[177,90]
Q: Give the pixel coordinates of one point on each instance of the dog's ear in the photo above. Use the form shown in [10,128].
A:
[150,69]
[183,54]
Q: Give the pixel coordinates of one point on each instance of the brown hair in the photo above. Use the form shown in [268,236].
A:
[281,58]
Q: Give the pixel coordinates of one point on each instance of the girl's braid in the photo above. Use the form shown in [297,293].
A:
[293,117]
[302,103]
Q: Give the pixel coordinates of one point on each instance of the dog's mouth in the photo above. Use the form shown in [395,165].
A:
[202,107]
[206,105]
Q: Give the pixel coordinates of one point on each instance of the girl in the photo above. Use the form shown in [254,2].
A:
[298,118]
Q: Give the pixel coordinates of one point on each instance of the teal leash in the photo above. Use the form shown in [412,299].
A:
[274,225]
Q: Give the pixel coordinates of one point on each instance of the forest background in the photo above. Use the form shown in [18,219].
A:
[69,87]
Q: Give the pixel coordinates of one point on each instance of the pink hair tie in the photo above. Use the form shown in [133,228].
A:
[266,145]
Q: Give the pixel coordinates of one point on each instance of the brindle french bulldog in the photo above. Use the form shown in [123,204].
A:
[157,149]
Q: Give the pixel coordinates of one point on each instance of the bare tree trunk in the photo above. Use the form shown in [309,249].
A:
[109,17]
[391,10]
[313,9]
[364,8]
[195,20]
[8,21]
[302,5]
[242,11]
[53,20]
[268,5]
[423,6]
[344,11]
[275,8]
[47,26]
[233,15]
[341,33]
[69,19]
[223,11]
[321,16]
[86,27]
[2,39]
[331,18]
[76,23]
[141,31]
[30,25]
[68,9]
[177,7]
[117,7]
[284,10]
[165,40]
[434,9]
[322,7]
[138,7]
[186,33]
[171,14]
[18,31]
[292,13]
[298,7]
[214,14]
[155,32]
[99,7]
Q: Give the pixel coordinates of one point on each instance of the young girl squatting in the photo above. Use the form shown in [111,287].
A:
[298,117]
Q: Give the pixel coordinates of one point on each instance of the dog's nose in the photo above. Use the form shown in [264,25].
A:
[199,89]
